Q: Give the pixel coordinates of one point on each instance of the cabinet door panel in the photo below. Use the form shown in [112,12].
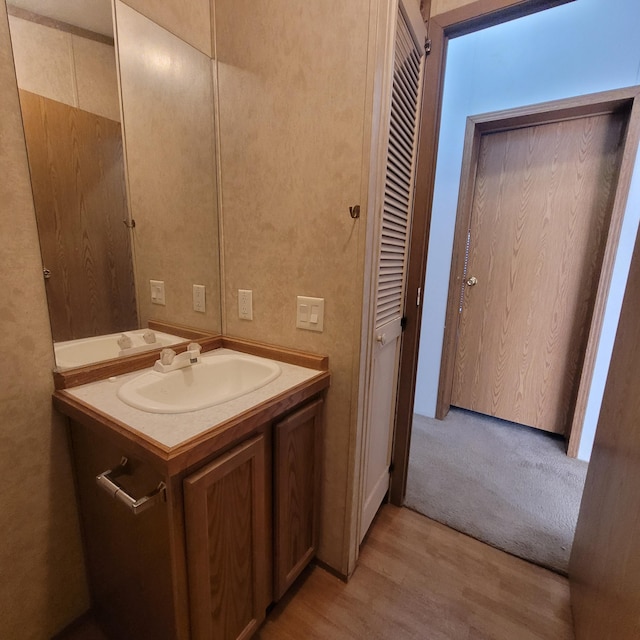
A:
[226,532]
[128,557]
[298,442]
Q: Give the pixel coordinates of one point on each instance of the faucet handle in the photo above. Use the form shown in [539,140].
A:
[194,350]
[167,356]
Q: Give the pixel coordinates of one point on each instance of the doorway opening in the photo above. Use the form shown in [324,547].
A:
[506,56]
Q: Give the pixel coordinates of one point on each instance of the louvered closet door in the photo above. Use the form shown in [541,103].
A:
[393,250]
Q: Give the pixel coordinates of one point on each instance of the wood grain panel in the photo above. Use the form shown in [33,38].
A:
[297,473]
[605,561]
[226,554]
[77,175]
[541,208]
[131,591]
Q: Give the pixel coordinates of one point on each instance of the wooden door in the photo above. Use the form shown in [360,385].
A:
[604,570]
[540,214]
[297,459]
[390,267]
[77,176]
[226,544]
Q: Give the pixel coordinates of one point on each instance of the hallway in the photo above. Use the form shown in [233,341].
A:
[508,485]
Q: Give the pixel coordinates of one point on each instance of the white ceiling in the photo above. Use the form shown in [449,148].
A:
[94,15]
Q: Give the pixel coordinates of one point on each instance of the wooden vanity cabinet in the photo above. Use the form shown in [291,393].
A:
[235,532]
[297,474]
[128,557]
[226,526]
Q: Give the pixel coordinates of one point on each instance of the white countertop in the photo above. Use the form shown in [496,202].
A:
[172,430]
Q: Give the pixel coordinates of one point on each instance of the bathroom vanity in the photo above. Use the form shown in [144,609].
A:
[210,515]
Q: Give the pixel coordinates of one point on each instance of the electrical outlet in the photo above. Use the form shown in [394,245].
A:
[157,291]
[199,298]
[245,304]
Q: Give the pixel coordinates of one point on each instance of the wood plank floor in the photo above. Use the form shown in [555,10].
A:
[419,579]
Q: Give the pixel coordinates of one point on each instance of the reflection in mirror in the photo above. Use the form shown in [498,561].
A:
[100,249]
[167,98]
[71,115]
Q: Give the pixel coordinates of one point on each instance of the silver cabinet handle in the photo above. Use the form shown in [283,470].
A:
[106,480]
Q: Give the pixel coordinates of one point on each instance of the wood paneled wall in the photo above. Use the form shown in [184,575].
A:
[605,562]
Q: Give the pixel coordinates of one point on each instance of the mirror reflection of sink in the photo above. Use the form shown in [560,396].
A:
[213,380]
[78,353]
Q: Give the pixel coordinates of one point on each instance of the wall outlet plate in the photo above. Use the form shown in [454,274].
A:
[245,304]
[310,313]
[199,298]
[157,291]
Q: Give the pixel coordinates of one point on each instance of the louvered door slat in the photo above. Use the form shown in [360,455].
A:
[400,159]
[405,87]
[398,193]
[401,122]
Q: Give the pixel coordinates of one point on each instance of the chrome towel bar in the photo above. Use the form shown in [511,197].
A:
[106,480]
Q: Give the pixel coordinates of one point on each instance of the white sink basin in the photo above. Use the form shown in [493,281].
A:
[213,380]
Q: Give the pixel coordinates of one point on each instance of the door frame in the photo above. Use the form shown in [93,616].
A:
[471,17]
[603,103]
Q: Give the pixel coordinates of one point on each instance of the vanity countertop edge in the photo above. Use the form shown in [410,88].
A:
[173,460]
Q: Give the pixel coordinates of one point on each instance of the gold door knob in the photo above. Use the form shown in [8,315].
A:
[472,281]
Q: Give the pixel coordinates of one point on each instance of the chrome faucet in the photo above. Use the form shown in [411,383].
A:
[169,361]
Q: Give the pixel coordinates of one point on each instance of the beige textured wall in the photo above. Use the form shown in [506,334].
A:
[167,103]
[188,20]
[65,67]
[292,90]
[42,585]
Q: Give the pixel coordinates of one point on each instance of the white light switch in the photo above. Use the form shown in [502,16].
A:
[157,291]
[310,313]
[199,298]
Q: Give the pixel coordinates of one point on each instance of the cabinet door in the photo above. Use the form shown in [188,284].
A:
[226,535]
[298,444]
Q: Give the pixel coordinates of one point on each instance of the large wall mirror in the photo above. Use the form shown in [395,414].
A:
[118,118]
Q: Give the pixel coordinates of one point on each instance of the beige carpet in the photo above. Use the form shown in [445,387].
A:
[508,485]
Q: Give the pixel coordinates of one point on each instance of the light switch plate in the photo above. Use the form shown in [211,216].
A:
[157,291]
[310,313]
[199,298]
